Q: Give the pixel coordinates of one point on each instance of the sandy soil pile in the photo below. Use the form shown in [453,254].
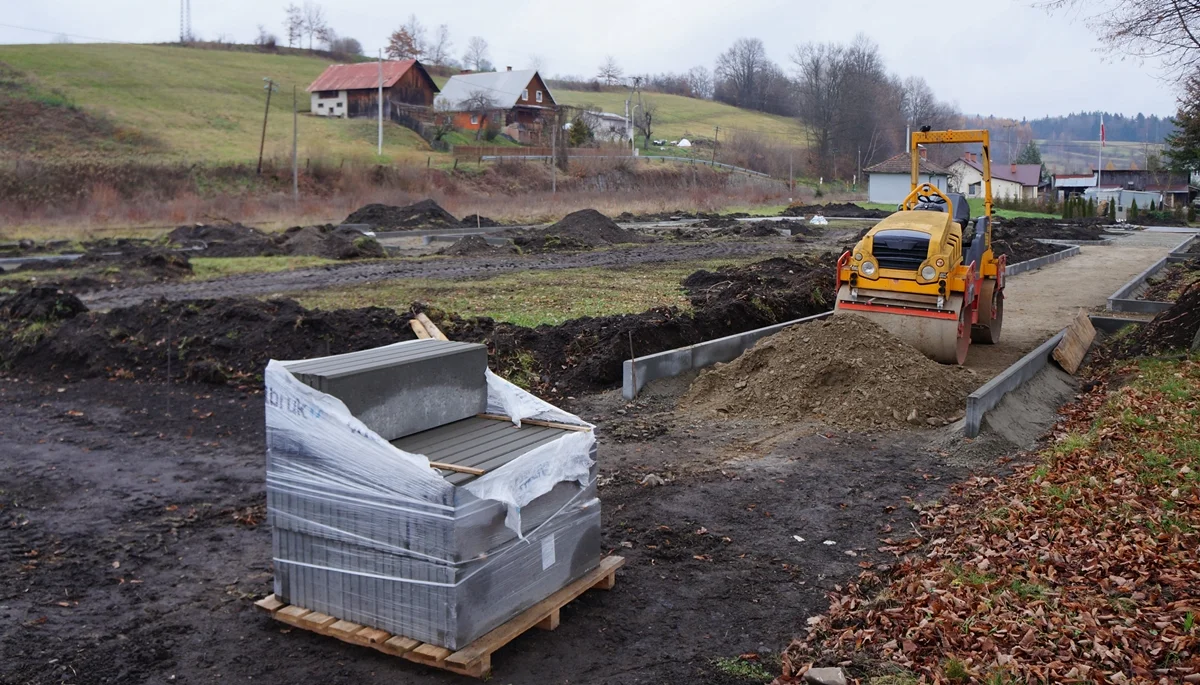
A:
[423,214]
[845,370]
[582,230]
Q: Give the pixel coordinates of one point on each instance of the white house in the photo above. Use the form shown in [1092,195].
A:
[612,128]
[1073,184]
[1009,181]
[890,181]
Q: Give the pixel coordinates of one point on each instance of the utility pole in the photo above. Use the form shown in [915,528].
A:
[295,146]
[716,139]
[791,177]
[646,143]
[380,102]
[270,88]
[554,155]
[858,168]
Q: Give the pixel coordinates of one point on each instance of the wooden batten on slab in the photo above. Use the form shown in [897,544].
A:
[431,327]
[536,422]
[1075,344]
[475,659]
[419,329]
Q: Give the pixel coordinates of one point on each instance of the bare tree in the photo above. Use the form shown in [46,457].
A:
[741,67]
[610,72]
[819,72]
[345,45]
[700,83]
[438,50]
[481,105]
[477,54]
[1166,30]
[293,24]
[315,25]
[64,39]
[537,62]
[415,29]
[265,38]
[643,120]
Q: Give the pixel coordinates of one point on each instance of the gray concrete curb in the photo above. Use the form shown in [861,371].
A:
[1031,264]
[983,400]
[1125,299]
[674,362]
[1112,324]
[1181,250]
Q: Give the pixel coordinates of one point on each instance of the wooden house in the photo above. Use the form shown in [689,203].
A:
[518,102]
[352,90]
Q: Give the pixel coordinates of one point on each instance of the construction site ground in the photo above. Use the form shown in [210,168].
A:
[132,513]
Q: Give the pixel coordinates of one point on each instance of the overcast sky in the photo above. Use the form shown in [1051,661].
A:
[1002,57]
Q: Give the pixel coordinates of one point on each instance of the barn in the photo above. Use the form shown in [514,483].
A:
[352,90]
[519,102]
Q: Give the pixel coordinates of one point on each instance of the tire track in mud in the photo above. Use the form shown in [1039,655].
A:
[341,275]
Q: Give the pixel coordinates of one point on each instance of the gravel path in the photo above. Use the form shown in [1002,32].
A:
[341,275]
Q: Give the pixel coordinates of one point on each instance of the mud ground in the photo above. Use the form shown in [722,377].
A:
[133,547]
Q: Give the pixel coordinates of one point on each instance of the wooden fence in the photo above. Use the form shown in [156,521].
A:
[475,152]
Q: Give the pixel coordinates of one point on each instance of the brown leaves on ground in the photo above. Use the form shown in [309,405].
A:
[1080,568]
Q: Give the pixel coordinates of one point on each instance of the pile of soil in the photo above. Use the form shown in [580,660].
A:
[330,242]
[844,370]
[423,214]
[1088,228]
[479,221]
[1019,247]
[225,240]
[1173,329]
[102,268]
[582,230]
[41,303]
[772,291]
[678,215]
[844,209]
[211,341]
[471,246]
[1169,283]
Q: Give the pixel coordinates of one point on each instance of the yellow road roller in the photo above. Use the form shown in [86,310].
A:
[927,273]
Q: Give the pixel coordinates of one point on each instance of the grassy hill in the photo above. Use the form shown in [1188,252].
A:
[186,104]
[200,105]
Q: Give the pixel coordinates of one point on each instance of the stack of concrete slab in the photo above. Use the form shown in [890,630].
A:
[368,538]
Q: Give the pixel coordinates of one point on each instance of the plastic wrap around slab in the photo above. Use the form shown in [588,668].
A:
[372,534]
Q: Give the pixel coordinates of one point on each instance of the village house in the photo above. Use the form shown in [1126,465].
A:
[352,90]
[890,181]
[1009,181]
[517,102]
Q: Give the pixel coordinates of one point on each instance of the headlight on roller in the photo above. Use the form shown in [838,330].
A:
[868,269]
[928,273]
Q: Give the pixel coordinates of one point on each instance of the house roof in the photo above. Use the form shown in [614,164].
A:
[902,164]
[1075,180]
[1024,174]
[504,87]
[363,75]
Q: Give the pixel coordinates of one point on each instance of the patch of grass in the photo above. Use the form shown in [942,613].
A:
[1027,590]
[205,268]
[529,298]
[744,669]
[956,671]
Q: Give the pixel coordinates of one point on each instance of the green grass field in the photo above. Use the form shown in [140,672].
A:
[205,105]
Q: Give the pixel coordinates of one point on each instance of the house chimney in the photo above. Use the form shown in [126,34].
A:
[508,68]
[1014,168]
[924,153]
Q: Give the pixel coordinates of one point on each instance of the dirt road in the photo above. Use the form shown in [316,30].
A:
[1040,303]
[254,285]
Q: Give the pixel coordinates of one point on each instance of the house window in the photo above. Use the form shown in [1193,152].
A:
[525,95]
[320,105]
[973,189]
[474,119]
[539,96]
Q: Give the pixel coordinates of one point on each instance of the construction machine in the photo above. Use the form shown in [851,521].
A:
[927,273]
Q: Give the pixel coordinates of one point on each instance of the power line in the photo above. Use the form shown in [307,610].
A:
[64,33]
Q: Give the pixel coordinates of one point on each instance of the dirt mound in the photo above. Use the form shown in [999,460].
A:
[1090,228]
[769,292]
[41,303]
[582,230]
[844,209]
[845,370]
[425,213]
[330,242]
[209,340]
[479,221]
[225,240]
[472,245]
[1174,329]
[1019,247]
[1167,285]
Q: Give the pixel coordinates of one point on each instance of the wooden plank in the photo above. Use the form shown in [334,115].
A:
[292,615]
[431,327]
[536,422]
[346,628]
[399,645]
[373,636]
[550,622]
[270,604]
[607,582]
[429,654]
[419,329]
[1075,344]
[527,619]
[456,468]
[317,621]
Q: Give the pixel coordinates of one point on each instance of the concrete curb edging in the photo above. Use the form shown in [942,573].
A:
[674,362]
[1181,250]
[1125,299]
[983,400]
[1031,264]
[1112,324]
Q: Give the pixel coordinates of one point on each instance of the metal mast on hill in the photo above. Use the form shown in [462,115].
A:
[185,20]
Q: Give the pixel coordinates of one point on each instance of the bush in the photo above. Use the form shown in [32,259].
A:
[491,129]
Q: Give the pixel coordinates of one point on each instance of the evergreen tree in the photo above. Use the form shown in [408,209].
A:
[1133,211]
[1152,205]
[1067,207]
[1112,210]
[1183,144]
[1032,154]
[1091,208]
[1191,213]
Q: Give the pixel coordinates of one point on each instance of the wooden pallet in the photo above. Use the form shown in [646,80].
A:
[475,659]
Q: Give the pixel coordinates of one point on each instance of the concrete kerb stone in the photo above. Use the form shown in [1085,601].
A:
[1112,324]
[1031,264]
[983,400]
[1125,299]
[674,362]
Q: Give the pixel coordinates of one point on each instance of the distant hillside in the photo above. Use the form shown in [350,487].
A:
[176,103]
[1072,143]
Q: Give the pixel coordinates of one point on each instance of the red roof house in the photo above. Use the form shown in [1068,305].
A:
[352,90]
